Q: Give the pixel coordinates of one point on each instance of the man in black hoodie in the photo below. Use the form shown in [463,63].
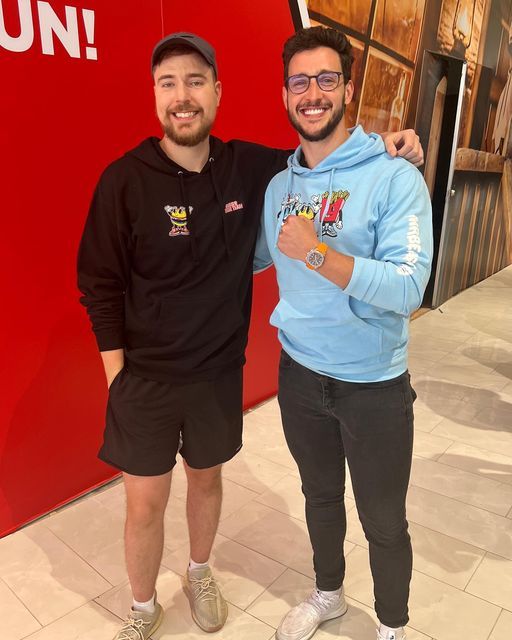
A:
[165,268]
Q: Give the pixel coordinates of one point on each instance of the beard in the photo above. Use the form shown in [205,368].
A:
[326,130]
[187,137]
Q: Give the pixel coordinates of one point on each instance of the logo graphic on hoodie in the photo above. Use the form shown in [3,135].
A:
[327,205]
[233,206]
[179,218]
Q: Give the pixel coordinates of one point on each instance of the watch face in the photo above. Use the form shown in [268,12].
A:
[315,258]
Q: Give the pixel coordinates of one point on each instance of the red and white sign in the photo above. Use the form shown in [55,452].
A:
[45,19]
[76,94]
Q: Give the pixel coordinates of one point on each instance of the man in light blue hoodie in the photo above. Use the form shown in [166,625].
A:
[348,229]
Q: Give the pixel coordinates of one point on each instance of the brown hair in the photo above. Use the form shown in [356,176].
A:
[314,37]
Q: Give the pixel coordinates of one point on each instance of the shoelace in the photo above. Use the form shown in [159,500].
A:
[133,624]
[204,588]
[319,601]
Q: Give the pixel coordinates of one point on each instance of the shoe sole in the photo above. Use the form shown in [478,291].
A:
[332,616]
[190,597]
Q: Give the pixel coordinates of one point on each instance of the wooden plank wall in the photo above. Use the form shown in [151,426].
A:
[477,237]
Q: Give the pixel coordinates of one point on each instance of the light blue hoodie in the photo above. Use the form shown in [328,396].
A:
[370,206]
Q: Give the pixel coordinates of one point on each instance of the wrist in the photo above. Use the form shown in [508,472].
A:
[315,257]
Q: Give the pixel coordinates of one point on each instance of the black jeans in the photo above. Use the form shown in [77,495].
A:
[371,425]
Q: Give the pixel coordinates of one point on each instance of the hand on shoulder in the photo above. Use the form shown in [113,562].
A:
[405,144]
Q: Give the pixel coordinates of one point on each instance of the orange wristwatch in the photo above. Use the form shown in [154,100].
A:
[315,257]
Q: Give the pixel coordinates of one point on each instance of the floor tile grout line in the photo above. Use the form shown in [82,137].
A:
[474,572]
[460,441]
[459,501]
[495,624]
[99,604]
[465,471]
[249,549]
[21,602]
[256,492]
[288,515]
[268,460]
[441,378]
[428,575]
[493,604]
[469,544]
[506,484]
[84,560]
[230,540]
[84,604]
[466,504]
[285,569]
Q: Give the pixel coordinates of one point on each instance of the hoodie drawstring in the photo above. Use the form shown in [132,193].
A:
[220,200]
[323,213]
[287,195]
[190,220]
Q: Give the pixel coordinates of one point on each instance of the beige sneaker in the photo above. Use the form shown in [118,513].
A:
[208,607]
[139,625]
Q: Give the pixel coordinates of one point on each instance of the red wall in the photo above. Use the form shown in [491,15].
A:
[63,118]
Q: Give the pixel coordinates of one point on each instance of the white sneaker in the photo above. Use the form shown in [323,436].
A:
[390,634]
[301,622]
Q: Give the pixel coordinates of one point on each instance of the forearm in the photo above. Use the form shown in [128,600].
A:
[113,362]
[337,267]
[390,285]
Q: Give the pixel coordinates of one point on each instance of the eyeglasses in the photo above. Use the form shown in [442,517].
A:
[327,81]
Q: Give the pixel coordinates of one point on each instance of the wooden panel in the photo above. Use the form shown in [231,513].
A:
[473,160]
[468,254]
[477,231]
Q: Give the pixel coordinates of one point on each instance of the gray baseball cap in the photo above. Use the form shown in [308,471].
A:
[189,40]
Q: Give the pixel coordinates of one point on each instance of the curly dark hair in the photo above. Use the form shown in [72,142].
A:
[314,37]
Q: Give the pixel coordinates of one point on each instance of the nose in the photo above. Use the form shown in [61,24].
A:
[313,91]
[182,92]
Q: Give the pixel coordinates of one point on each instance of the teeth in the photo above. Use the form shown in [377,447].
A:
[313,112]
[184,114]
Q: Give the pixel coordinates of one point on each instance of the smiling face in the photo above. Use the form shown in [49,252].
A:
[317,114]
[186,97]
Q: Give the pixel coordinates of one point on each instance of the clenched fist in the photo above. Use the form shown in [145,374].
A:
[297,237]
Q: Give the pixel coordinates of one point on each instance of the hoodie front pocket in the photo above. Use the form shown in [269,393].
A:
[321,325]
[206,327]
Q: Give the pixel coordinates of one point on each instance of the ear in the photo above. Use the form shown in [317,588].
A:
[285,98]
[218,91]
[349,92]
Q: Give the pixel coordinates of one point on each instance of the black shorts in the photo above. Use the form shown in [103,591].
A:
[148,422]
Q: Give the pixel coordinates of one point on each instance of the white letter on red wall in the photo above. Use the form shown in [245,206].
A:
[49,24]
[24,41]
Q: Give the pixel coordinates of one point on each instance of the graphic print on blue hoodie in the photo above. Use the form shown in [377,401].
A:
[377,209]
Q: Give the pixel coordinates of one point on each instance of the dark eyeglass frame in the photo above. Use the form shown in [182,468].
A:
[317,77]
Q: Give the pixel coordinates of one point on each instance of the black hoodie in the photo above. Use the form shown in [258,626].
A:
[165,261]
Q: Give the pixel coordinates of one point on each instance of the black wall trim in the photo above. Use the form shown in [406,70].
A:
[361,37]
[295,11]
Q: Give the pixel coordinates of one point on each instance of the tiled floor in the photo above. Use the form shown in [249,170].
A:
[63,578]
